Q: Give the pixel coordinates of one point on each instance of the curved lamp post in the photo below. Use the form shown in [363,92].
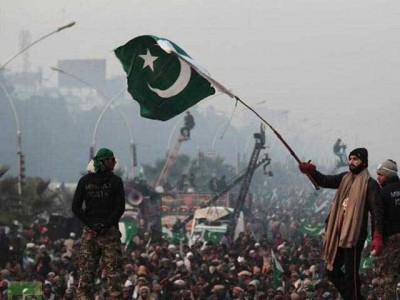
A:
[93,148]
[20,162]
[132,145]
[109,104]
[19,148]
[70,24]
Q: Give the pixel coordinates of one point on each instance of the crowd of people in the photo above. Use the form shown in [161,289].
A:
[205,270]
[281,262]
[163,270]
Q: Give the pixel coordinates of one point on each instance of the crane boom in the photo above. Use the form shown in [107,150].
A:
[244,188]
[169,162]
[264,161]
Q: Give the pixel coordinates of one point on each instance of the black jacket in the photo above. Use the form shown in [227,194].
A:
[104,198]
[373,204]
[390,194]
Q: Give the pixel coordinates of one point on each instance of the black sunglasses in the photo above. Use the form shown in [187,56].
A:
[110,158]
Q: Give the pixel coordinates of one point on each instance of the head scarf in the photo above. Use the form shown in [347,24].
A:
[96,163]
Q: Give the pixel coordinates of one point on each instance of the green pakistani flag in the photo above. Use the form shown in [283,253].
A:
[366,263]
[214,236]
[163,83]
[24,288]
[167,234]
[277,270]
[128,230]
[312,229]
[173,237]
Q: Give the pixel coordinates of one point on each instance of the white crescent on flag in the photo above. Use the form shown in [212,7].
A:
[179,85]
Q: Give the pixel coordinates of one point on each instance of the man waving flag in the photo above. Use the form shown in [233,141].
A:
[163,84]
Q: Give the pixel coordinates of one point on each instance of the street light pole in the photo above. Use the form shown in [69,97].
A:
[70,24]
[132,146]
[101,116]
[19,148]
[93,147]
[20,159]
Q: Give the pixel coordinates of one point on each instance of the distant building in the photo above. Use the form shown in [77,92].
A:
[84,80]
[90,72]
[31,81]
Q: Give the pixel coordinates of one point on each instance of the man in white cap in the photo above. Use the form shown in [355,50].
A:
[388,264]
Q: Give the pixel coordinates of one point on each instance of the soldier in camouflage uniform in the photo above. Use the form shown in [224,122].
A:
[99,203]
[388,264]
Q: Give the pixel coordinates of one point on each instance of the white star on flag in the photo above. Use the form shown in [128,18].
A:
[148,60]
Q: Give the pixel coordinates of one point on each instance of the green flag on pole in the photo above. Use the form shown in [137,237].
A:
[366,263]
[277,270]
[128,230]
[312,229]
[173,237]
[214,236]
[24,288]
[167,234]
[162,83]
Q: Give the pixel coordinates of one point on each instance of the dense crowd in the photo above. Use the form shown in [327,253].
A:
[242,269]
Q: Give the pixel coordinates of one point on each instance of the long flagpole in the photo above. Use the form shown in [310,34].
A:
[166,46]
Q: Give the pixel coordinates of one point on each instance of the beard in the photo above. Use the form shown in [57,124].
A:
[356,170]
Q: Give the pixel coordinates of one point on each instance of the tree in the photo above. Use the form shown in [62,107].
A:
[36,198]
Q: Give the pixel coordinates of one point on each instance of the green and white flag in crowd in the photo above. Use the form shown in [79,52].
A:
[160,78]
[24,289]
[366,263]
[368,241]
[127,229]
[214,236]
[166,234]
[277,270]
[312,229]
[173,237]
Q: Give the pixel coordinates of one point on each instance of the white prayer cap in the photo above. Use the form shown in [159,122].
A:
[180,263]
[128,283]
[30,245]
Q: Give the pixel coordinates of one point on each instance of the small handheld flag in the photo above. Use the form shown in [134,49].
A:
[163,84]
[277,270]
[312,229]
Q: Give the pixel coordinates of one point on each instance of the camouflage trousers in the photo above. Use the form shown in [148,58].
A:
[388,267]
[106,248]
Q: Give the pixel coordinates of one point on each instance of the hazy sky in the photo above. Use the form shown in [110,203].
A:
[334,64]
